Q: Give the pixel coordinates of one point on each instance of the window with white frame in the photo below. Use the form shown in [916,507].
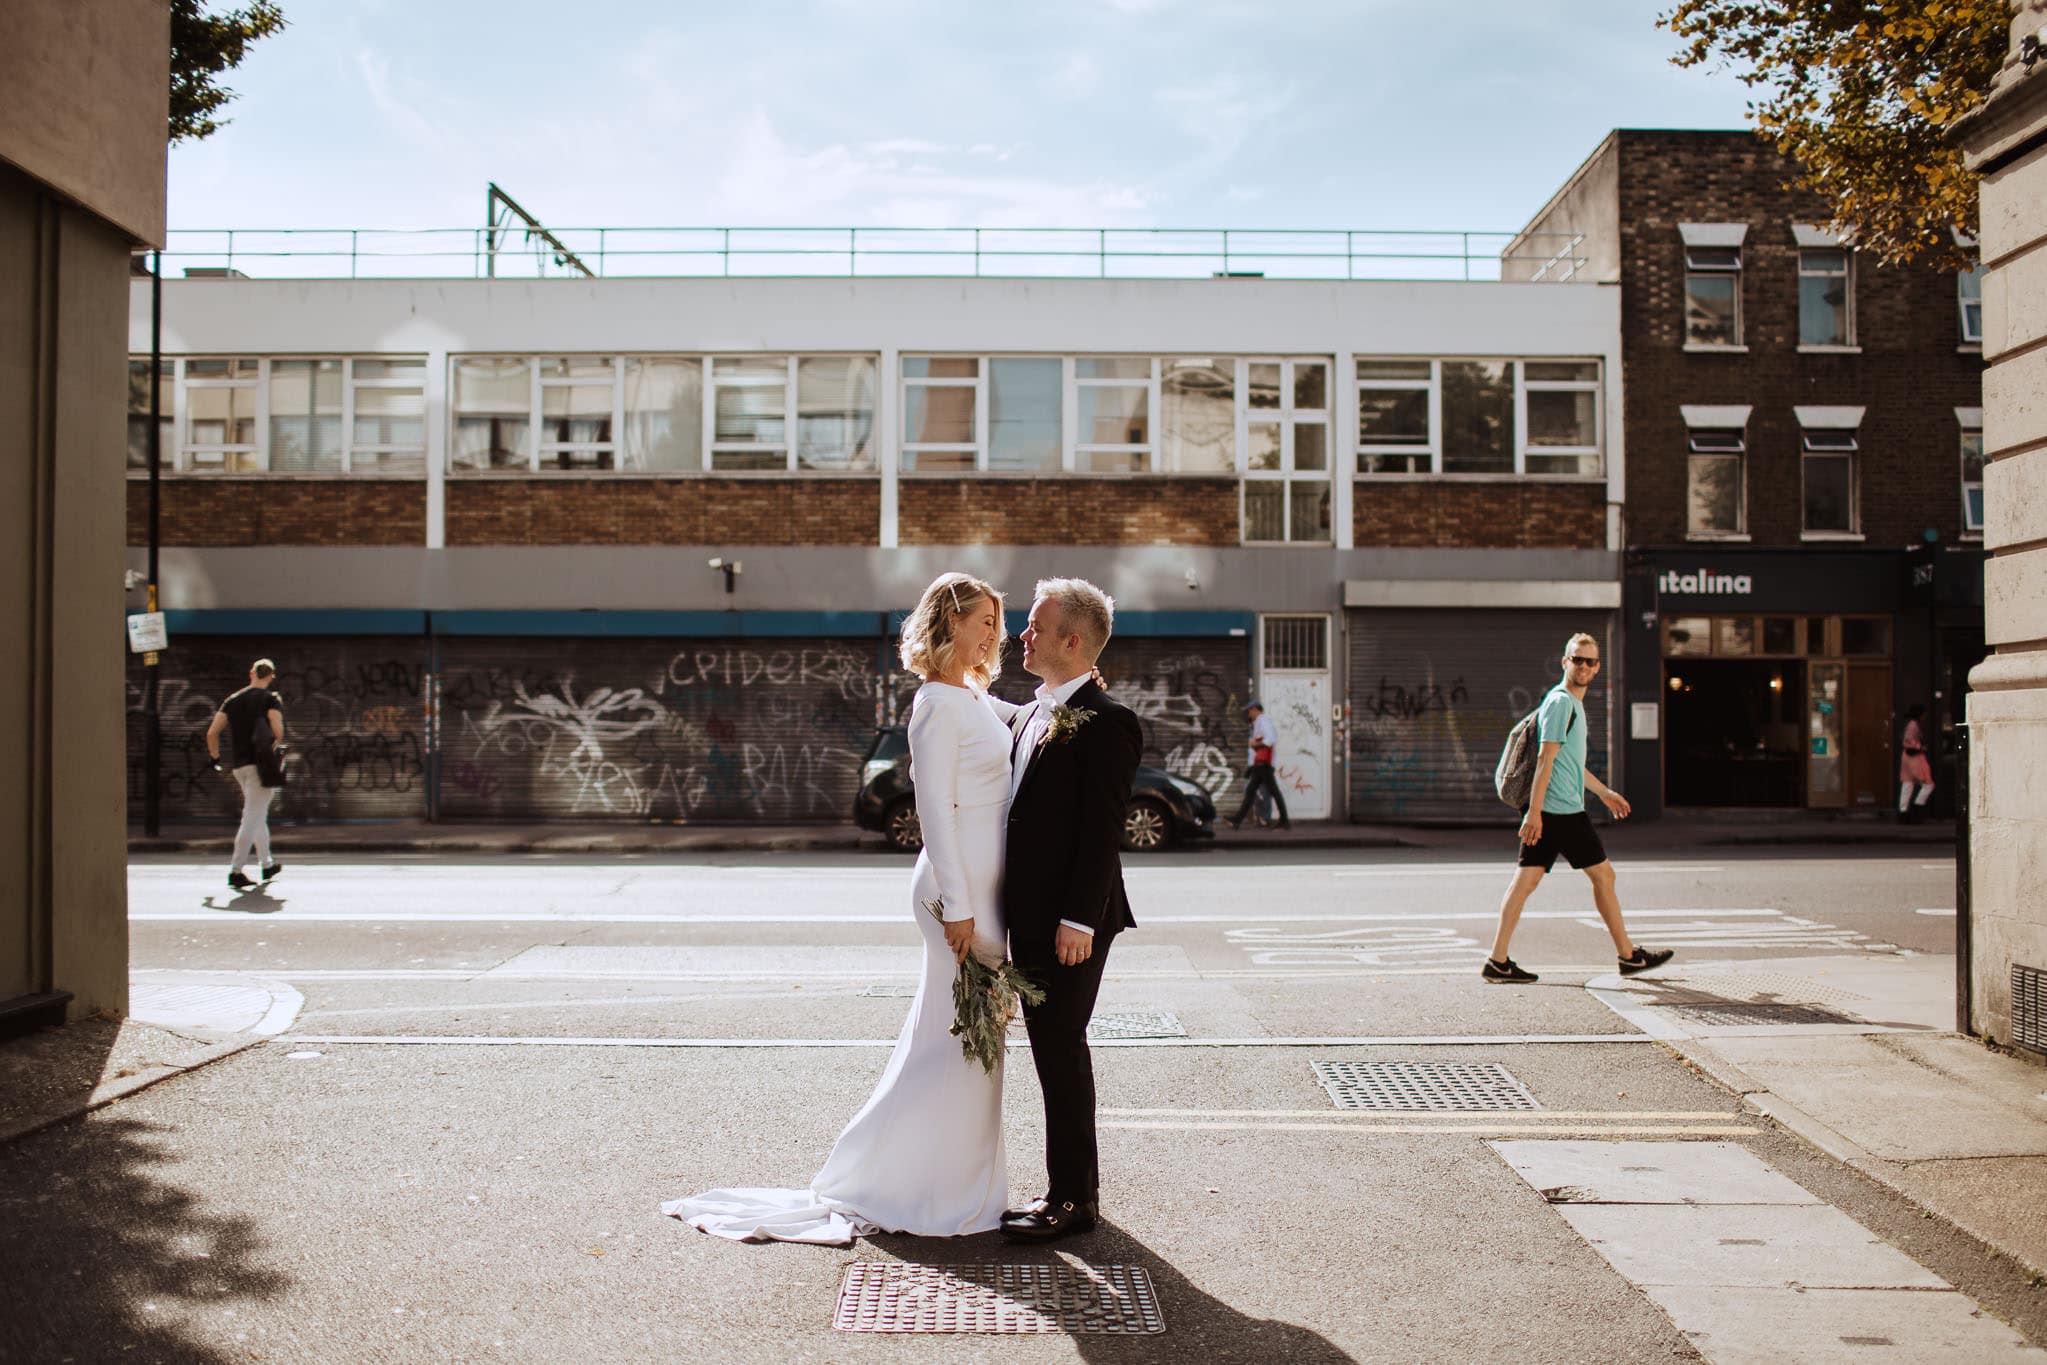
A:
[1114,398]
[1969,300]
[1047,414]
[1712,295]
[1828,466]
[1716,502]
[1198,414]
[1826,297]
[1500,417]
[651,414]
[1286,450]
[284,415]
[1972,479]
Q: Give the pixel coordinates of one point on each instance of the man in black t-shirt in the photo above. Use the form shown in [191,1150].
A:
[249,718]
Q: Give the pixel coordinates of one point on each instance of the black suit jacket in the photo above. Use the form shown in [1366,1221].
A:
[1063,859]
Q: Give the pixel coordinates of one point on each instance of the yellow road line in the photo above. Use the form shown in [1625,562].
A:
[1710,1115]
[1598,1129]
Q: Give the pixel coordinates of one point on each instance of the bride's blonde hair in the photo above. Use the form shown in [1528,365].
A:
[928,634]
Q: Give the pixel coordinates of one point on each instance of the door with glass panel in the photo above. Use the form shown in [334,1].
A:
[1284,437]
[1295,687]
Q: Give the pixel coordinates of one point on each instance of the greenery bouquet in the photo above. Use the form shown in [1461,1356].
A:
[986,996]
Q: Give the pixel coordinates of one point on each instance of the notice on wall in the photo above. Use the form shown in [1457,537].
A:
[1643,719]
[146,632]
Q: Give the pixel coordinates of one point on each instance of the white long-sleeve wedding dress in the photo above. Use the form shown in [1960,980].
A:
[924,1155]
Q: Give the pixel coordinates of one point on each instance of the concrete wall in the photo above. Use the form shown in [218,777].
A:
[87,96]
[1589,202]
[63,361]
[2007,140]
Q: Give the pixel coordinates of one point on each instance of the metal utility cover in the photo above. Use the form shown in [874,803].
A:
[1465,1087]
[1734,1014]
[889,1296]
[1136,1024]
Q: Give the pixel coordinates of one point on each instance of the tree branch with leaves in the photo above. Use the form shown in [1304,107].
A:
[203,46]
[1862,94]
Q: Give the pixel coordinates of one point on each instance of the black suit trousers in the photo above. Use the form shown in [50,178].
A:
[1066,1070]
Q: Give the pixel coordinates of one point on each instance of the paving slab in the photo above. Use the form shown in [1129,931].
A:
[1760,1246]
[1649,1173]
[1904,1099]
[212,1002]
[1737,1326]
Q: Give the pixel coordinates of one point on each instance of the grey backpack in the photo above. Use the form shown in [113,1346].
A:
[1516,773]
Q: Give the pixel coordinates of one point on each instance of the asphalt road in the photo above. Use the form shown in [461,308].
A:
[663,1026]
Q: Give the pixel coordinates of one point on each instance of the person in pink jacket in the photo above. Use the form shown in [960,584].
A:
[1915,771]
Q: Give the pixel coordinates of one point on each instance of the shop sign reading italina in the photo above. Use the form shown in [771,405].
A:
[1705,583]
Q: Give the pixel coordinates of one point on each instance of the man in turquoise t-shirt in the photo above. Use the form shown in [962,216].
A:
[1556,822]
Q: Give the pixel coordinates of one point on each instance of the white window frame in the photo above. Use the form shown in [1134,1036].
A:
[1699,265]
[1523,386]
[1846,274]
[1075,449]
[1970,422]
[1287,417]
[1969,305]
[189,450]
[707,415]
[1517,370]
[978,446]
[1736,454]
[1431,451]
[350,385]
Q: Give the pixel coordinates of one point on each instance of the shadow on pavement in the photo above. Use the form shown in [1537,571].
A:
[101,1258]
[257,902]
[1199,1326]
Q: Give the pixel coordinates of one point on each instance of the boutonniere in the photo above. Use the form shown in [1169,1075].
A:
[1065,723]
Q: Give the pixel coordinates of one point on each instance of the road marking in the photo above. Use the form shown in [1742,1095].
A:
[495,1040]
[1948,912]
[884,974]
[1498,868]
[1603,1129]
[255,919]
[1712,1115]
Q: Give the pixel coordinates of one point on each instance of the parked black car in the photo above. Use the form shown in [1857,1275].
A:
[1164,810]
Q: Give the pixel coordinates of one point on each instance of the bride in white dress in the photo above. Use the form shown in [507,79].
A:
[924,1155]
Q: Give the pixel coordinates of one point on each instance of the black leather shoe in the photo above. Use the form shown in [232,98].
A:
[1048,1222]
[240,881]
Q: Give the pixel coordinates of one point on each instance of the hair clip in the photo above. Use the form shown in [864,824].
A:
[954,589]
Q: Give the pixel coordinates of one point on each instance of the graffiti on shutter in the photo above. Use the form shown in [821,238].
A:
[1433,695]
[354,718]
[756,730]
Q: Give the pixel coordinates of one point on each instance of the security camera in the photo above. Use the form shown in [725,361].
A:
[717,563]
[133,578]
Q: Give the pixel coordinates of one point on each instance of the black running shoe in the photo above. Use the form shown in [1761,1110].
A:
[240,882]
[270,870]
[1644,960]
[1507,973]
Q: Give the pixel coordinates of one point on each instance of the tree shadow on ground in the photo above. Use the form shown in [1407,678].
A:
[1199,1326]
[102,1259]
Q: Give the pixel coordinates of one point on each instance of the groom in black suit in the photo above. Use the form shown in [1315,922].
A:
[1074,756]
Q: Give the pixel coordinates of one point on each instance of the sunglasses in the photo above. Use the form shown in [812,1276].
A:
[1588,663]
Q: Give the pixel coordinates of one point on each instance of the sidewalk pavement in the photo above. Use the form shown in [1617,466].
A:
[1857,1056]
[1747,828]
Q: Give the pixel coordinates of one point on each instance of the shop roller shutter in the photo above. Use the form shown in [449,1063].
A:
[767,731]
[354,716]
[1433,694]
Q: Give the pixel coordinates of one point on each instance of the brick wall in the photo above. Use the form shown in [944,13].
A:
[694,511]
[1180,510]
[273,511]
[1909,374]
[1495,516]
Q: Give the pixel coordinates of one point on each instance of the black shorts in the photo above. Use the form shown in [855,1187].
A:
[1570,835]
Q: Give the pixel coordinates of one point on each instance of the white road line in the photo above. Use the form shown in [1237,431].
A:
[902,917]
[1711,1115]
[488,975]
[1503,867]
[1599,1129]
[1948,912]
[493,1040]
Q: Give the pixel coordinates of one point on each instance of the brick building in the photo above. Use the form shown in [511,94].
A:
[475,520]
[1804,510]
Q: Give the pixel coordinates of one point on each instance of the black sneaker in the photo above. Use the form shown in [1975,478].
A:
[1643,960]
[270,870]
[1507,973]
[240,882]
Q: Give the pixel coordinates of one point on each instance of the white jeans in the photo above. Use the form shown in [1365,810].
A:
[254,835]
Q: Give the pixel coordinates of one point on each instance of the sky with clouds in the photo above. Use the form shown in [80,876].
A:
[1364,114]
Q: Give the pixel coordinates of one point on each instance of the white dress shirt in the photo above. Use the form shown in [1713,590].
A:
[1035,725]
[1263,731]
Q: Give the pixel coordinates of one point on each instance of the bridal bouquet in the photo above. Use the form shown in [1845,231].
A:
[984,1000]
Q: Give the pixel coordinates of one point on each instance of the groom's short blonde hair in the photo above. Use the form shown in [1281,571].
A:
[1084,610]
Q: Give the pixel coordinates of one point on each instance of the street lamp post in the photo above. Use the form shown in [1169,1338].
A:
[152,723]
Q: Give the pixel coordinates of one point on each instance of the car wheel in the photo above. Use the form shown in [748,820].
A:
[901,827]
[1147,827]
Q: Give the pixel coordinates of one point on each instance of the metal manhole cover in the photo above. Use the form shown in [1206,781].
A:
[1467,1086]
[888,1296]
[1136,1024]
[1734,1014]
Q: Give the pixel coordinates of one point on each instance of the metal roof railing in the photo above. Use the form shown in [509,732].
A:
[1052,253]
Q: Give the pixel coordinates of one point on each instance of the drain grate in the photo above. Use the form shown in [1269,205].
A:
[1736,1014]
[2029,1007]
[1465,1086]
[888,1296]
[1136,1024]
